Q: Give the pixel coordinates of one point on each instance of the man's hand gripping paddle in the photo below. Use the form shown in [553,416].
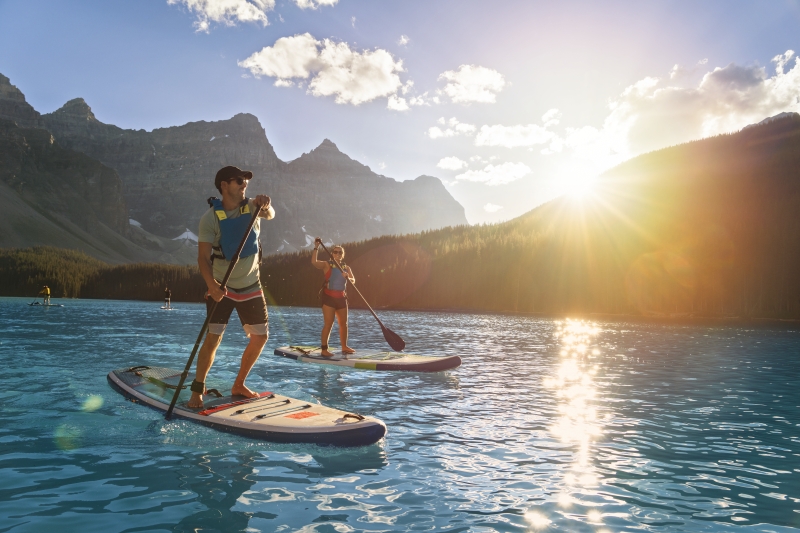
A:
[203,330]
[391,337]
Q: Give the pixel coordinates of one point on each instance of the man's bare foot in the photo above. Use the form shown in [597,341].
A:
[327,353]
[347,349]
[196,401]
[242,390]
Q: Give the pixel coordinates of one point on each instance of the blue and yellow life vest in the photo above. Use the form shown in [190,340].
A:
[335,281]
[232,230]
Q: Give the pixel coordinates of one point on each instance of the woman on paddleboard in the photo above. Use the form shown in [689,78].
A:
[334,295]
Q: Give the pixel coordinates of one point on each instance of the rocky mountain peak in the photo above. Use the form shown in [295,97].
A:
[327,159]
[14,107]
[246,120]
[8,91]
[76,109]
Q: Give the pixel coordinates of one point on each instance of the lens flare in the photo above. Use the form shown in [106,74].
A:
[67,437]
[92,403]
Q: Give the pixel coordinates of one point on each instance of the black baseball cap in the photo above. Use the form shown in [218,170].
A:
[228,173]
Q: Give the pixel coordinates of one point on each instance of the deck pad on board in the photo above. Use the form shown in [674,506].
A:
[371,359]
[271,416]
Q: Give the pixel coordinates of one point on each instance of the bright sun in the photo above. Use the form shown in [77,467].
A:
[579,186]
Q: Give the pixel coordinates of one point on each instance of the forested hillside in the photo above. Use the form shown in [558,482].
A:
[73,274]
[706,229]
[709,228]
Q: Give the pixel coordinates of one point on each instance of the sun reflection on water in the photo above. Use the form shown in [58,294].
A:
[577,423]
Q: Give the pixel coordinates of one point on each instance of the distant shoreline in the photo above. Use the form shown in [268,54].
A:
[784,323]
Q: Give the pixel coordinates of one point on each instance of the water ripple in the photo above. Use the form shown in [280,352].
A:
[548,426]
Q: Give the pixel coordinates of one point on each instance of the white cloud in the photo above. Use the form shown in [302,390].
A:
[331,68]
[492,208]
[454,127]
[420,100]
[404,40]
[397,103]
[654,113]
[520,135]
[472,83]
[496,174]
[314,4]
[451,163]
[551,118]
[227,12]
[657,112]
[513,136]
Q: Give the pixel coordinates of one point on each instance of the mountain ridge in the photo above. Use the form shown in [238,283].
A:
[167,174]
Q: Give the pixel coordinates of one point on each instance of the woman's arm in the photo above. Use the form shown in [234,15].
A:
[348,272]
[322,265]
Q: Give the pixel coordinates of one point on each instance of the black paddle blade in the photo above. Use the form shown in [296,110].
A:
[393,339]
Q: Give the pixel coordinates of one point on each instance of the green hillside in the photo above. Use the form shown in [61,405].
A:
[707,229]
[73,274]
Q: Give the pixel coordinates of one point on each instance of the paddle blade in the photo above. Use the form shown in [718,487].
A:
[393,339]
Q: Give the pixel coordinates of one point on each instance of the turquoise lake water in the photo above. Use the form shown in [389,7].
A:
[547,426]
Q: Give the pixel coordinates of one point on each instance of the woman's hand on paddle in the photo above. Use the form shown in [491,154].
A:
[322,265]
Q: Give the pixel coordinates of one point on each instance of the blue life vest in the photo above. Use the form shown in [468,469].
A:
[335,280]
[232,230]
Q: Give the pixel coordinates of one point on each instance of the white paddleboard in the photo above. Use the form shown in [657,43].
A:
[371,359]
[271,417]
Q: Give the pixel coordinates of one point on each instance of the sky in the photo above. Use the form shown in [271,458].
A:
[509,103]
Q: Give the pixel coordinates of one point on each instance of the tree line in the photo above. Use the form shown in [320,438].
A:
[706,229]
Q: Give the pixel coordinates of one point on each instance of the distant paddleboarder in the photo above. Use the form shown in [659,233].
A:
[45,294]
[334,296]
[167,297]
[221,230]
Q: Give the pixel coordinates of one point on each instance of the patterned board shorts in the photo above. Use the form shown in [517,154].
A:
[250,305]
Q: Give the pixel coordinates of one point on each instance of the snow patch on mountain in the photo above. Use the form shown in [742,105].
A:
[186,236]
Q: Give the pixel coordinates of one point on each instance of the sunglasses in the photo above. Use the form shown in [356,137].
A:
[238,180]
[337,252]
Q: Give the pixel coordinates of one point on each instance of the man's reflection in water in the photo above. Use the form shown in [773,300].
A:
[223,482]
[219,480]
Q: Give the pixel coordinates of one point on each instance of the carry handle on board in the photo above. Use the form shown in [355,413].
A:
[391,337]
[234,260]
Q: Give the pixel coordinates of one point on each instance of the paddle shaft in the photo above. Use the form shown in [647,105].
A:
[384,328]
[234,260]
[353,285]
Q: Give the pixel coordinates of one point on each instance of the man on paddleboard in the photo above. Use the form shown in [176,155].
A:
[221,230]
[45,294]
[167,297]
